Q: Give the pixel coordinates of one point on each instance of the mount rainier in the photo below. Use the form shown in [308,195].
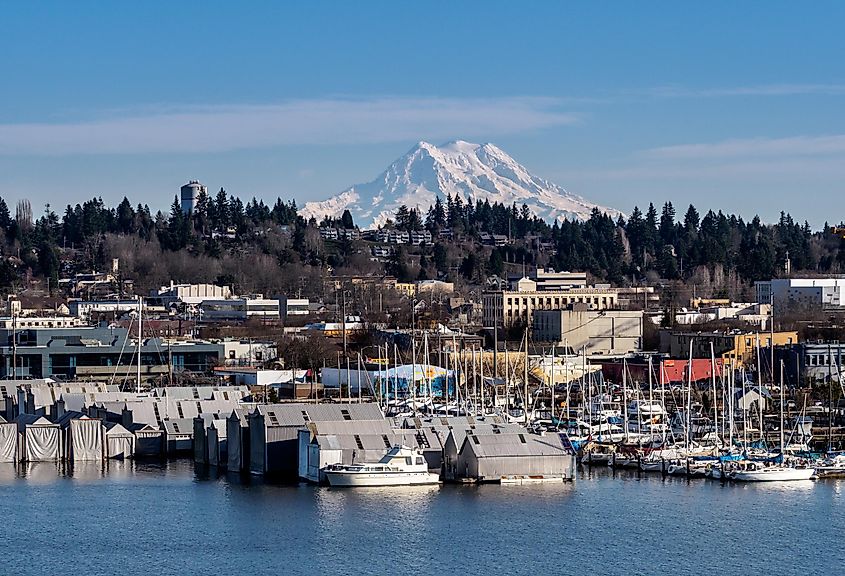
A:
[472,171]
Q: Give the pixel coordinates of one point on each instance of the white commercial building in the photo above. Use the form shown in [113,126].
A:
[802,292]
[190,293]
[594,331]
[239,309]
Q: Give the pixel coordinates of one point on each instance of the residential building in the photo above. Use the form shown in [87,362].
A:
[93,284]
[418,237]
[415,237]
[329,233]
[349,233]
[593,331]
[493,239]
[408,289]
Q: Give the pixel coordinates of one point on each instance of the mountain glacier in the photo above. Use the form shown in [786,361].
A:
[472,171]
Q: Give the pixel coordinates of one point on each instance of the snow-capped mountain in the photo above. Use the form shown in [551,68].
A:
[472,171]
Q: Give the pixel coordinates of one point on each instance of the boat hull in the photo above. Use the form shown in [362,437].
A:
[373,479]
[780,475]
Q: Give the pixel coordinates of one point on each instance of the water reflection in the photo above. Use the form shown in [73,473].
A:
[604,523]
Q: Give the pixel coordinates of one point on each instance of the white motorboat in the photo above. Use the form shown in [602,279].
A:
[760,472]
[401,466]
[831,467]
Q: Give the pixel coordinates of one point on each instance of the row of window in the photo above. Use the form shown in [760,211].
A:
[558,301]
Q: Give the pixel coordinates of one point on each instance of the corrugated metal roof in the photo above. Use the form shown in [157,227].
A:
[379,443]
[201,392]
[424,439]
[298,415]
[351,427]
[515,445]
[179,426]
[459,433]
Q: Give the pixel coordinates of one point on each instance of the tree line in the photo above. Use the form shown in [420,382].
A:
[223,230]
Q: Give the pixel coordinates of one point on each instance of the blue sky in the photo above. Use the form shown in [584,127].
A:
[737,106]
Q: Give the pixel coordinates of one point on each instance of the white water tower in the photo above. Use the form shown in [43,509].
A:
[190,193]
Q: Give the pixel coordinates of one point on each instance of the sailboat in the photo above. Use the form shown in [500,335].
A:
[772,469]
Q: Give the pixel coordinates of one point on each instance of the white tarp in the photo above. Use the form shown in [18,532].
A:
[8,442]
[42,443]
[86,439]
[120,442]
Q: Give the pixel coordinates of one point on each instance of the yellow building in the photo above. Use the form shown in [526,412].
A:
[408,289]
[737,348]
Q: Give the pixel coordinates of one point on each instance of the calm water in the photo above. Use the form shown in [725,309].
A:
[140,518]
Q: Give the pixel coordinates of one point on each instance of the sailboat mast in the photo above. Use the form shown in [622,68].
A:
[713,382]
[731,402]
[625,398]
[553,383]
[480,379]
[781,407]
[744,412]
[396,376]
[525,379]
[689,398]
[662,380]
[140,337]
[759,388]
[651,403]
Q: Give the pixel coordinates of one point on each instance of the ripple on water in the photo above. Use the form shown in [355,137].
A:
[144,518]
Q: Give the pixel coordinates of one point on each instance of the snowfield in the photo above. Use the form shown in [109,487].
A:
[471,171]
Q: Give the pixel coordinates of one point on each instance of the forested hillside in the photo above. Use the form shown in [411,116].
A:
[272,249]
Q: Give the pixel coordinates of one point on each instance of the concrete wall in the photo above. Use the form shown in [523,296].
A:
[600,332]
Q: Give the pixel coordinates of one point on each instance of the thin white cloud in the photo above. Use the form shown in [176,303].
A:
[676,91]
[794,146]
[328,121]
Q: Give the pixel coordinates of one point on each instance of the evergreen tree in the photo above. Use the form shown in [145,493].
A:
[403,218]
[667,225]
[221,211]
[5,216]
[125,217]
